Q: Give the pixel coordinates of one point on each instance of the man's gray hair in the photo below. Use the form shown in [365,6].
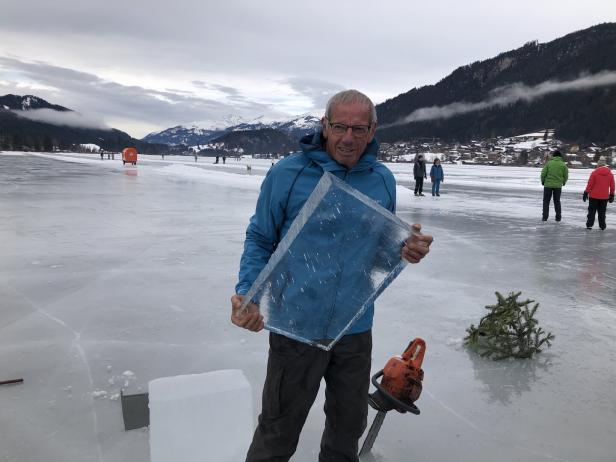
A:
[350,97]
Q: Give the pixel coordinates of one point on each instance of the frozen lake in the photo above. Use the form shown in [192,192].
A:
[112,275]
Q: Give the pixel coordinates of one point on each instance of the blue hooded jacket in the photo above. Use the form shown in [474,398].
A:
[436,172]
[285,189]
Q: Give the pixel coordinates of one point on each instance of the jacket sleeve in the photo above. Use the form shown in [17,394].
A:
[591,181]
[612,185]
[392,192]
[432,171]
[544,172]
[262,234]
[565,175]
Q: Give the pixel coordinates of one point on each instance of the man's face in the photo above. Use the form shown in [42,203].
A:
[346,148]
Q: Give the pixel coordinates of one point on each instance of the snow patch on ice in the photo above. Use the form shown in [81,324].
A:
[212,177]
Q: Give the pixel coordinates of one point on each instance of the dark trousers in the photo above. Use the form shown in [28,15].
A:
[594,206]
[418,184]
[294,373]
[547,196]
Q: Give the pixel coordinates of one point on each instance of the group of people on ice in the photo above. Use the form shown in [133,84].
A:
[436,175]
[599,189]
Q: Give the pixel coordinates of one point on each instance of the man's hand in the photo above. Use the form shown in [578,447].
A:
[417,246]
[250,318]
[585,196]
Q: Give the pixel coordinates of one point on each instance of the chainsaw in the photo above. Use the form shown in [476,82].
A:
[399,388]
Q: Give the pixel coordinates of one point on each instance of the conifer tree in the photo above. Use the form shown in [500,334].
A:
[508,330]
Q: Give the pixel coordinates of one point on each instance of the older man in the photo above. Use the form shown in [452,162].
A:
[346,148]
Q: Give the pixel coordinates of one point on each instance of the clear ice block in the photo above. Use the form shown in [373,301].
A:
[340,253]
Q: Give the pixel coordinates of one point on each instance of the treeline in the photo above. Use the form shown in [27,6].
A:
[580,116]
[19,134]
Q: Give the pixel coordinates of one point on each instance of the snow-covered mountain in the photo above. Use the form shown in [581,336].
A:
[295,127]
[300,126]
[186,135]
[29,123]
[27,103]
[208,131]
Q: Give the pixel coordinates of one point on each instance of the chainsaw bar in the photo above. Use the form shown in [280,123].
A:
[373,432]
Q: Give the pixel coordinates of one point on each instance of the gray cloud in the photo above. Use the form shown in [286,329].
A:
[504,96]
[216,87]
[73,119]
[244,49]
[178,91]
[317,90]
[372,49]
[95,97]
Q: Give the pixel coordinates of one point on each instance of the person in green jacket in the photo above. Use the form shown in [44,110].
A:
[553,177]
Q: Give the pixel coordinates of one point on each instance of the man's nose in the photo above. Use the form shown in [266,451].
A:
[348,135]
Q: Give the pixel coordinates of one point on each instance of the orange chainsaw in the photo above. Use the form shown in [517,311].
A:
[399,388]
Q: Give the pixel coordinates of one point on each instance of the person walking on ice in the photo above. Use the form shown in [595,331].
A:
[436,176]
[599,191]
[554,176]
[419,172]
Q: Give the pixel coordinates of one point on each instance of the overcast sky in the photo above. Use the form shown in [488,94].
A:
[146,65]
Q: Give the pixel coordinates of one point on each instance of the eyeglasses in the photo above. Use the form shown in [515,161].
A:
[359,131]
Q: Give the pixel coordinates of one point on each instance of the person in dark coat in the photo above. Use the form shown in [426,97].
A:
[419,172]
[436,176]
[599,191]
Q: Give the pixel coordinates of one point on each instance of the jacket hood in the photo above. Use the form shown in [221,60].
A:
[602,170]
[313,146]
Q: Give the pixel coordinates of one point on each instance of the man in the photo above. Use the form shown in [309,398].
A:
[419,172]
[554,176]
[346,148]
[600,190]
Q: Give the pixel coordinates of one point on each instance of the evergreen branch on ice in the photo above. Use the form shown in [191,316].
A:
[509,330]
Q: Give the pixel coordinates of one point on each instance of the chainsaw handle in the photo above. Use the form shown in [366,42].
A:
[399,405]
[414,353]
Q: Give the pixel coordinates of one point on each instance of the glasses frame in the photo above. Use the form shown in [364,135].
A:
[352,127]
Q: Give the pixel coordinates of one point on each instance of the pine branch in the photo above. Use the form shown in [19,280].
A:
[508,330]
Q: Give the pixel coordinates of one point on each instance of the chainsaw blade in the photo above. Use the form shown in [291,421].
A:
[373,432]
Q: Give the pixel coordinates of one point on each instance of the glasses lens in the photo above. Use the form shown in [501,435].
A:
[360,130]
[339,129]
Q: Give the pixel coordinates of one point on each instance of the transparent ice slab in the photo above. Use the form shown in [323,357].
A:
[340,253]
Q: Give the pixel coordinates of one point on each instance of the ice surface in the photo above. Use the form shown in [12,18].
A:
[200,417]
[106,269]
[325,273]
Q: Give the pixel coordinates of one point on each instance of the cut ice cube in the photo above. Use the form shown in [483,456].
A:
[325,273]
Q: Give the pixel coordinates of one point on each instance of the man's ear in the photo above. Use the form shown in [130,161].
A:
[324,126]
